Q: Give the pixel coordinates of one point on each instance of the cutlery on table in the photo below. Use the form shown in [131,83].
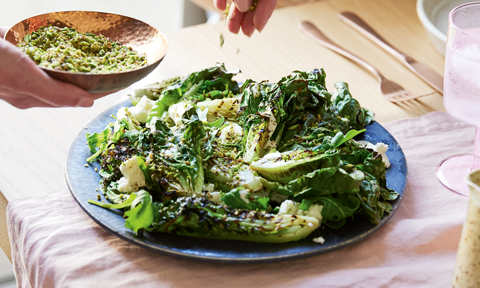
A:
[391,90]
[422,70]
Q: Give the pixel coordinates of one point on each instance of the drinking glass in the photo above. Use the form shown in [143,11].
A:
[461,91]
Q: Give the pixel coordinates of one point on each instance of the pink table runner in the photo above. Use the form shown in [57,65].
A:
[55,244]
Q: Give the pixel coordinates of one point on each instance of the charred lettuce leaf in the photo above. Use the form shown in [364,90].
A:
[197,217]
[287,166]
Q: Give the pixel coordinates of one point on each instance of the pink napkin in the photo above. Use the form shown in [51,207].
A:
[55,244]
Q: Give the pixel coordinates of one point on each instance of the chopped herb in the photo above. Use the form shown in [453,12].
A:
[69,50]
[222,40]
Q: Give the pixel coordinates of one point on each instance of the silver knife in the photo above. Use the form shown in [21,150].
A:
[422,70]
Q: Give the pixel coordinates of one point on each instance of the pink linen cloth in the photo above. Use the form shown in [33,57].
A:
[55,244]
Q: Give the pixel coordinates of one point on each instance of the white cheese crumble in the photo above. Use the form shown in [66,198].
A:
[142,109]
[319,240]
[232,133]
[244,195]
[149,158]
[245,177]
[133,177]
[214,196]
[151,125]
[380,148]
[171,151]
[209,187]
[248,179]
[287,207]
[123,113]
[176,111]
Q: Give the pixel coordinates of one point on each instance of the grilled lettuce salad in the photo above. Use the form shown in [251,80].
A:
[203,156]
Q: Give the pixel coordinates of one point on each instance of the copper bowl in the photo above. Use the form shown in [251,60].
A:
[131,32]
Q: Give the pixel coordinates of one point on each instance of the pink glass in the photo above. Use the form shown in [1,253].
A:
[461,96]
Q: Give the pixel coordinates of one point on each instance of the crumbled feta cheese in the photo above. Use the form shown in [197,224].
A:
[232,133]
[209,188]
[123,113]
[171,151]
[149,158]
[319,240]
[133,177]
[287,207]
[380,148]
[244,177]
[248,179]
[142,109]
[214,196]
[176,111]
[244,195]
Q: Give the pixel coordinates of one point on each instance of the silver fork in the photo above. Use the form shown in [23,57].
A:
[391,90]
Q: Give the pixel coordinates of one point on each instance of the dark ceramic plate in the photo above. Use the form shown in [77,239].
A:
[82,182]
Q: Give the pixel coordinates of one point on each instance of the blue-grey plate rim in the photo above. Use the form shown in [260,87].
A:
[82,182]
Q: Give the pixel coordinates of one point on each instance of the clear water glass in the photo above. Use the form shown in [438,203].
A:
[461,96]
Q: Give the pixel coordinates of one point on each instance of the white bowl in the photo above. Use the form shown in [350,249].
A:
[434,17]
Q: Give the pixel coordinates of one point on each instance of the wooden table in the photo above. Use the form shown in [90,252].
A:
[208,5]
[34,142]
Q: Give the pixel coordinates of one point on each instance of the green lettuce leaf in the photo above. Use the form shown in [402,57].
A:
[143,212]
[340,138]
[234,200]
[336,210]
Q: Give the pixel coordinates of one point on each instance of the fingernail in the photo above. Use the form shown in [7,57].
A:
[243,6]
[260,28]
[250,33]
[85,102]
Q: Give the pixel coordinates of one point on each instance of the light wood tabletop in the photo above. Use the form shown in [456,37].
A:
[209,6]
[34,142]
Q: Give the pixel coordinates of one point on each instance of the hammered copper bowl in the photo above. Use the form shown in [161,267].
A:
[131,32]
